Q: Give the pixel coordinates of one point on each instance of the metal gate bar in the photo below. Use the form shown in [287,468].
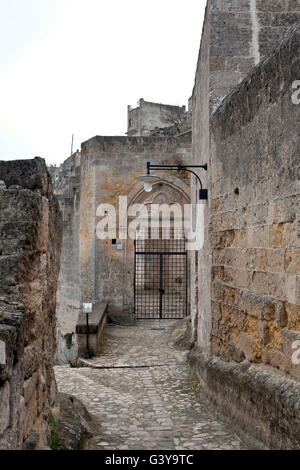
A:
[160,279]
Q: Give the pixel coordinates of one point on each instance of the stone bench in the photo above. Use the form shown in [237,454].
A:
[97,322]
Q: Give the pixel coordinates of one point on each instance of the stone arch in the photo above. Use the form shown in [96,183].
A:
[168,184]
[169,189]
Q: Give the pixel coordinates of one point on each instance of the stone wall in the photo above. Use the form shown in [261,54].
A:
[243,32]
[66,180]
[110,169]
[254,218]
[236,35]
[30,244]
[250,314]
[148,116]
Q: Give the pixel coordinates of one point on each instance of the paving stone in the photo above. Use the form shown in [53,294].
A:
[151,404]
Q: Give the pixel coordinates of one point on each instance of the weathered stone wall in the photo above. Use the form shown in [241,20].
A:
[30,244]
[236,35]
[148,116]
[252,252]
[110,168]
[66,182]
[243,32]
[254,217]
[200,262]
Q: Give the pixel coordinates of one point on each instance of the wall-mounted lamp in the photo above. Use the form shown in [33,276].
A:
[149,179]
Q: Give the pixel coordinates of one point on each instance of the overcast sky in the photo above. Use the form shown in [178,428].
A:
[73,66]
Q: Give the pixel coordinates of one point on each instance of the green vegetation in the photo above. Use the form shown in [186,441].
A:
[73,366]
[69,340]
[56,442]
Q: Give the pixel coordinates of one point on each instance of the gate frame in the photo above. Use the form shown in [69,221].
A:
[161,254]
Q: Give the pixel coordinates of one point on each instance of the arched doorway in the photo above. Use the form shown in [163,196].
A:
[160,259]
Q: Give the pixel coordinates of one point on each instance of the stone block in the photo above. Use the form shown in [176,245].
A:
[249,346]
[293,316]
[2,354]
[30,415]
[29,387]
[256,259]
[8,346]
[275,260]
[261,306]
[29,174]
[282,210]
[32,441]
[267,283]
[263,332]
[281,315]
[292,261]
[4,407]
[280,235]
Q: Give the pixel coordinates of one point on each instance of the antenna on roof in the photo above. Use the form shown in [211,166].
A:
[72,143]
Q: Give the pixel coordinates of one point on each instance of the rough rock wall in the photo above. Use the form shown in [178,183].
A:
[30,245]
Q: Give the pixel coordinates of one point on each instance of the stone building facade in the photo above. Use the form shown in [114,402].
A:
[245,288]
[147,116]
[30,245]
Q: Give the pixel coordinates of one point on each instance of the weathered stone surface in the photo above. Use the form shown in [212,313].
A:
[29,387]
[31,443]
[27,174]
[266,283]
[245,281]
[181,336]
[30,244]
[73,423]
[66,348]
[148,116]
[4,407]
[2,353]
[257,399]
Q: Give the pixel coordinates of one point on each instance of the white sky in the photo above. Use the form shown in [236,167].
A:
[73,66]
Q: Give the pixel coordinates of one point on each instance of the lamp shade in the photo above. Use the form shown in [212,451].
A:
[148,181]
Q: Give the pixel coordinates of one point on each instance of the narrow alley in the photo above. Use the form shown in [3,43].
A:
[141,395]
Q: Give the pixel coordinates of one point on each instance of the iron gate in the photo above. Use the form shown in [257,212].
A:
[160,279]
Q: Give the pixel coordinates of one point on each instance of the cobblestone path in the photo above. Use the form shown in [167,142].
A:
[142,396]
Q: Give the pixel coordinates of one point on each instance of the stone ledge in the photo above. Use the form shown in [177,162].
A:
[97,321]
[28,174]
[261,402]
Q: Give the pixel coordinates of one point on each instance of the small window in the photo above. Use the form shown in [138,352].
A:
[114,241]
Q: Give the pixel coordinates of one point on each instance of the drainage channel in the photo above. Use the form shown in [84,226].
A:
[92,366]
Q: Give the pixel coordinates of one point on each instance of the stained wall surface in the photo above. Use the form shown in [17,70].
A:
[30,246]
